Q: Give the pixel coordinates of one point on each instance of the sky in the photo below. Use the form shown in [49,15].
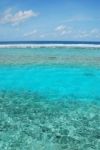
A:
[71,20]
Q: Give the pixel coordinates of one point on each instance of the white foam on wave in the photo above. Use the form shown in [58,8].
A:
[49,45]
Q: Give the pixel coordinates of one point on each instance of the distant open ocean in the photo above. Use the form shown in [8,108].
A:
[50,42]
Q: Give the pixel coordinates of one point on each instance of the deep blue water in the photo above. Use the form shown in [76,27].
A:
[50,42]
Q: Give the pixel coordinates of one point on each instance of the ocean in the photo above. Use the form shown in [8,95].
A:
[49,95]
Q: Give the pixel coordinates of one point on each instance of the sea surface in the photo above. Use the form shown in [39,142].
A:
[50,96]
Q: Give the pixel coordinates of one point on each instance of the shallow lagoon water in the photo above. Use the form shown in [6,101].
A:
[49,105]
[53,81]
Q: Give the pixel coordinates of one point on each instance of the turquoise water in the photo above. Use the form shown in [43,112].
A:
[50,105]
[52,81]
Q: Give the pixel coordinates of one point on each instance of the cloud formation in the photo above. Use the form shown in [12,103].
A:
[34,34]
[8,17]
[30,34]
[91,33]
[63,30]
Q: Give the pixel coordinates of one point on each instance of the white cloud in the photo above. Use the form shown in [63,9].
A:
[63,30]
[69,32]
[93,33]
[34,34]
[30,34]
[8,17]
[60,28]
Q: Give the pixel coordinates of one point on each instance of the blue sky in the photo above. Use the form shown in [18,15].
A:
[49,20]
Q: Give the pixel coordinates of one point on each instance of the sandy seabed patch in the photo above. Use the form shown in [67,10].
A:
[29,121]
